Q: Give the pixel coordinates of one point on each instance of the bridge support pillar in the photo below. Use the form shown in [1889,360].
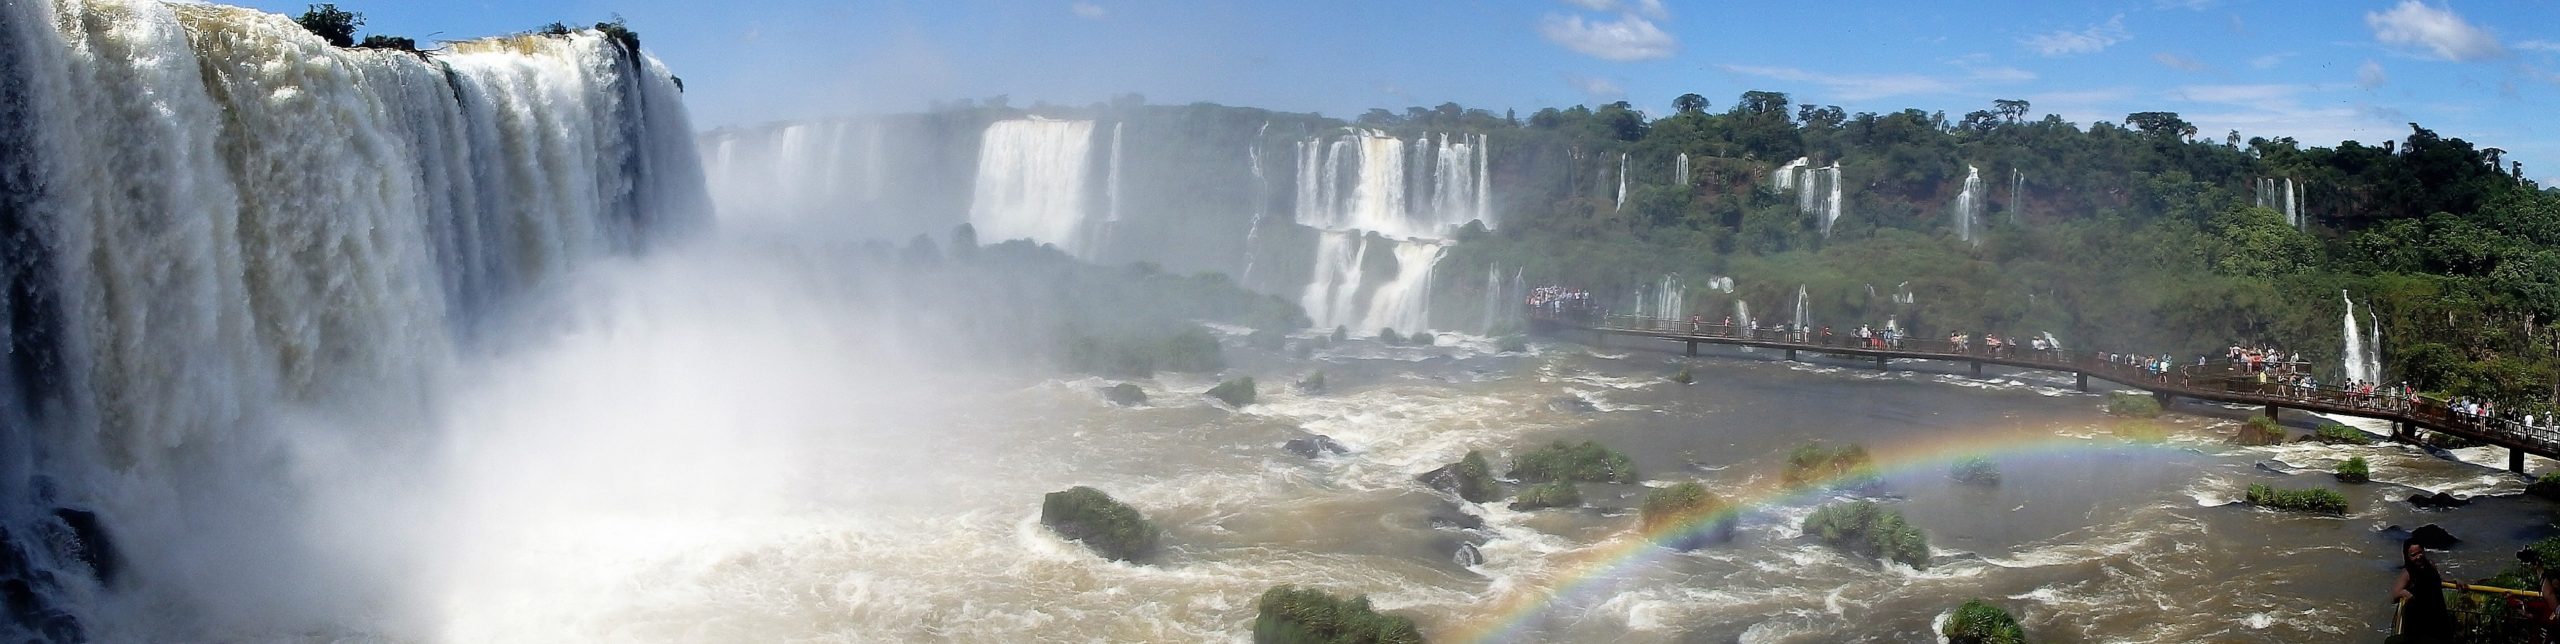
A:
[1599,339]
[2161,397]
[2271,412]
[1791,355]
[1977,370]
[1880,366]
[2084,383]
[2515,460]
[1693,348]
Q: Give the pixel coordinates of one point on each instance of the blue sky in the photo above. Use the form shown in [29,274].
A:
[2318,71]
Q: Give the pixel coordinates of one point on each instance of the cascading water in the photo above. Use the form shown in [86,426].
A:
[1785,177]
[1497,302]
[796,171]
[2361,358]
[1803,317]
[1969,204]
[1358,182]
[1111,190]
[2017,195]
[1817,190]
[219,223]
[1261,199]
[1670,297]
[2281,197]
[1622,181]
[1680,170]
[1031,183]
[1741,313]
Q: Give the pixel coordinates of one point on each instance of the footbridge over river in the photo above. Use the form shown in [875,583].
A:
[2218,382]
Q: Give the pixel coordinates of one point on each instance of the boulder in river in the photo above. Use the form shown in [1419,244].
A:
[1573,404]
[1125,395]
[2433,537]
[2439,500]
[1109,527]
[1314,446]
[1237,393]
[1470,478]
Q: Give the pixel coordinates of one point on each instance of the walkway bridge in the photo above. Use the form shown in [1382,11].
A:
[2214,382]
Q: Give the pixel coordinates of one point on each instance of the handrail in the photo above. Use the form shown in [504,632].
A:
[2198,381]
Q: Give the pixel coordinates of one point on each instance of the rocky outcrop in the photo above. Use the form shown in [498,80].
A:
[1314,446]
[1111,528]
[2438,501]
[1470,478]
[1236,393]
[1125,395]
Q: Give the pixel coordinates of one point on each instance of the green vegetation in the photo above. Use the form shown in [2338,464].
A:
[1290,615]
[1979,622]
[1866,529]
[2132,405]
[1687,502]
[2441,440]
[2354,470]
[1512,344]
[1684,377]
[1237,393]
[1125,395]
[1109,527]
[2337,434]
[395,43]
[2260,430]
[1588,462]
[1551,494]
[1817,462]
[1976,470]
[338,26]
[1390,336]
[1475,478]
[2317,500]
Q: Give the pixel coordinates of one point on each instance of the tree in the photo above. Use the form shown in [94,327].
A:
[2162,125]
[1759,102]
[379,41]
[1689,104]
[2010,109]
[1821,117]
[332,24]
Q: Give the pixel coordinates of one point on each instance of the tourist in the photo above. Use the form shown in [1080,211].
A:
[2423,616]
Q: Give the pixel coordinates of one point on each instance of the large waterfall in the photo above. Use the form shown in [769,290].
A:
[2362,353]
[1680,170]
[214,221]
[1411,195]
[1968,207]
[2281,196]
[1031,183]
[1817,190]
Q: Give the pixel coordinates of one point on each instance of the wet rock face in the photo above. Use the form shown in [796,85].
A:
[2433,537]
[1315,446]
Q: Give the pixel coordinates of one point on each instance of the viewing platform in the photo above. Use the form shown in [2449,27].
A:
[2217,382]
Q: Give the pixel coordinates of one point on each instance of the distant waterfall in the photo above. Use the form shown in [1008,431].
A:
[1969,204]
[1497,299]
[2281,196]
[1414,194]
[2017,196]
[1817,190]
[1261,200]
[1111,187]
[1670,297]
[219,226]
[1622,181]
[1680,170]
[2362,353]
[1031,182]
[1803,317]
[1741,313]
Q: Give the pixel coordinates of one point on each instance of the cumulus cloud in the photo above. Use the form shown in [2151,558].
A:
[2269,61]
[1630,37]
[2538,45]
[2370,75]
[1088,10]
[2433,31]
[2087,41]
[1650,8]
[2180,63]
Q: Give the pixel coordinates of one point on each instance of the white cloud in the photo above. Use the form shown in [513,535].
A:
[2269,61]
[1630,37]
[2274,110]
[2538,45]
[2088,41]
[2180,63]
[1852,87]
[1088,10]
[1650,8]
[1594,87]
[2434,30]
[2370,75]
[2190,5]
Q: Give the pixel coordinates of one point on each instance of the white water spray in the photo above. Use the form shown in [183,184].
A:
[1031,183]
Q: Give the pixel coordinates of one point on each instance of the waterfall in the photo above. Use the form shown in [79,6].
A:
[2017,195]
[1832,207]
[1817,190]
[1622,181]
[1969,204]
[2373,346]
[1741,313]
[798,171]
[2282,197]
[2292,204]
[1497,303]
[1785,177]
[1803,318]
[1261,201]
[1670,297]
[1111,189]
[1680,170]
[2356,365]
[1414,194]
[217,223]
[1031,183]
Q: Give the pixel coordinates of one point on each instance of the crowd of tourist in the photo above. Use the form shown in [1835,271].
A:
[1558,299]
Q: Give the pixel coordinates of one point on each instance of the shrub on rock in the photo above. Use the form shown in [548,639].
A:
[2260,430]
[1816,462]
[1684,377]
[1313,383]
[1422,339]
[1976,470]
[2316,500]
[2132,405]
[1866,529]
[1470,478]
[1561,461]
[1979,622]
[1689,508]
[1551,494]
[2354,470]
[1291,615]
[1109,527]
[1237,393]
[2337,434]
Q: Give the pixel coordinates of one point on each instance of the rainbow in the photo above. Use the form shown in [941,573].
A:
[1587,573]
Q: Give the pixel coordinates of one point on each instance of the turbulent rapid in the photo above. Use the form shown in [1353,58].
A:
[241,261]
